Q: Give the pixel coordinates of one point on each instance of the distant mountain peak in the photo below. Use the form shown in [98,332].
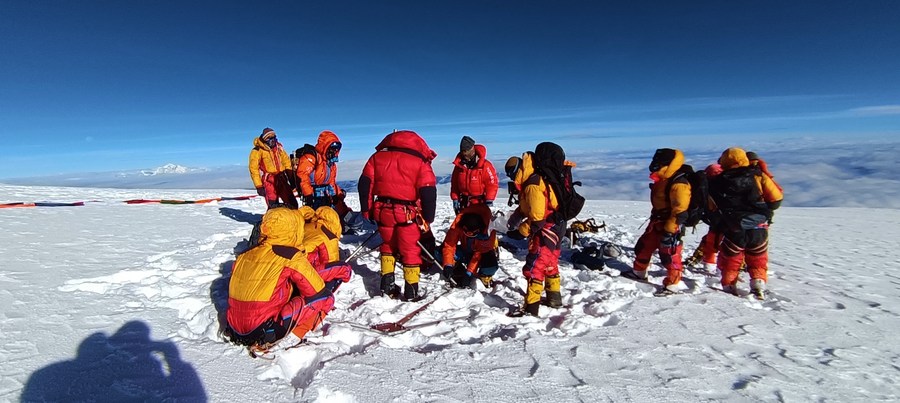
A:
[166,169]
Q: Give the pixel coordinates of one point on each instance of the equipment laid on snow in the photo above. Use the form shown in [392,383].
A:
[391,327]
[580,227]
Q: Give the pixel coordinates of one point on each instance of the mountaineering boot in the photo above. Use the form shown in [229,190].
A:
[758,288]
[487,281]
[552,285]
[388,288]
[527,309]
[640,275]
[668,290]
[411,283]
[731,289]
[554,299]
[411,292]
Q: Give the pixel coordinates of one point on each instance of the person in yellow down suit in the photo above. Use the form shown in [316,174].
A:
[273,288]
[669,200]
[534,218]
[271,171]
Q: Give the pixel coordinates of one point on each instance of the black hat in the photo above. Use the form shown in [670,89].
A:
[471,222]
[466,144]
[512,165]
[752,156]
[661,158]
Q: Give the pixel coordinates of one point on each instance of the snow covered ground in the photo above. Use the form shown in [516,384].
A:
[113,302]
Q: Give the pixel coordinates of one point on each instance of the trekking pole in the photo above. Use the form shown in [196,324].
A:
[359,248]
[644,223]
[427,253]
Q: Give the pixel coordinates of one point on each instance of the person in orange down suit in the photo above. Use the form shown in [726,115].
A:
[470,250]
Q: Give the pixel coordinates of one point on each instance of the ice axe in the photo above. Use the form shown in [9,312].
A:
[391,327]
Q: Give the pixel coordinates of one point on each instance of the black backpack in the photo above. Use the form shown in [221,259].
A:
[698,207]
[738,198]
[307,149]
[549,162]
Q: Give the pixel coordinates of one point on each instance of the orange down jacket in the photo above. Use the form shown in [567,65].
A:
[316,170]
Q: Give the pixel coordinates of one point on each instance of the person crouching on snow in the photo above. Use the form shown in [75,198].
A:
[321,240]
[534,218]
[273,289]
[469,251]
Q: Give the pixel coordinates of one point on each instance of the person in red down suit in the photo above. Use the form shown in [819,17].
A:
[474,179]
[397,190]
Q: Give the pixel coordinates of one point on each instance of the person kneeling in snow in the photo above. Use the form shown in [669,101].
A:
[274,289]
[468,250]
[321,240]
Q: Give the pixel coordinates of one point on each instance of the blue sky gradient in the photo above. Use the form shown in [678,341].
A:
[109,85]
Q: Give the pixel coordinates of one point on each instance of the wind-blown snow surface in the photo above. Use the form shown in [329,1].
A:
[112,302]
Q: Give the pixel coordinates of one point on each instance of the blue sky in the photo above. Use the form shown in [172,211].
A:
[99,86]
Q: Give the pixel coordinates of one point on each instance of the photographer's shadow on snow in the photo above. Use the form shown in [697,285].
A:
[127,366]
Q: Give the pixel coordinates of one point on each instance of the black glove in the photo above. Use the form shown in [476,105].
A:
[308,200]
[447,273]
[515,234]
[261,191]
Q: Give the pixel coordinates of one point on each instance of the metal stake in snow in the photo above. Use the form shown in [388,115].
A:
[358,249]
[391,327]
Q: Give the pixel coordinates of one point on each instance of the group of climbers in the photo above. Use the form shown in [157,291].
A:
[286,283]
[743,196]
[311,172]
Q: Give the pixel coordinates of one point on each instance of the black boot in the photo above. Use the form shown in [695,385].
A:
[554,299]
[528,309]
[411,292]
[388,288]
